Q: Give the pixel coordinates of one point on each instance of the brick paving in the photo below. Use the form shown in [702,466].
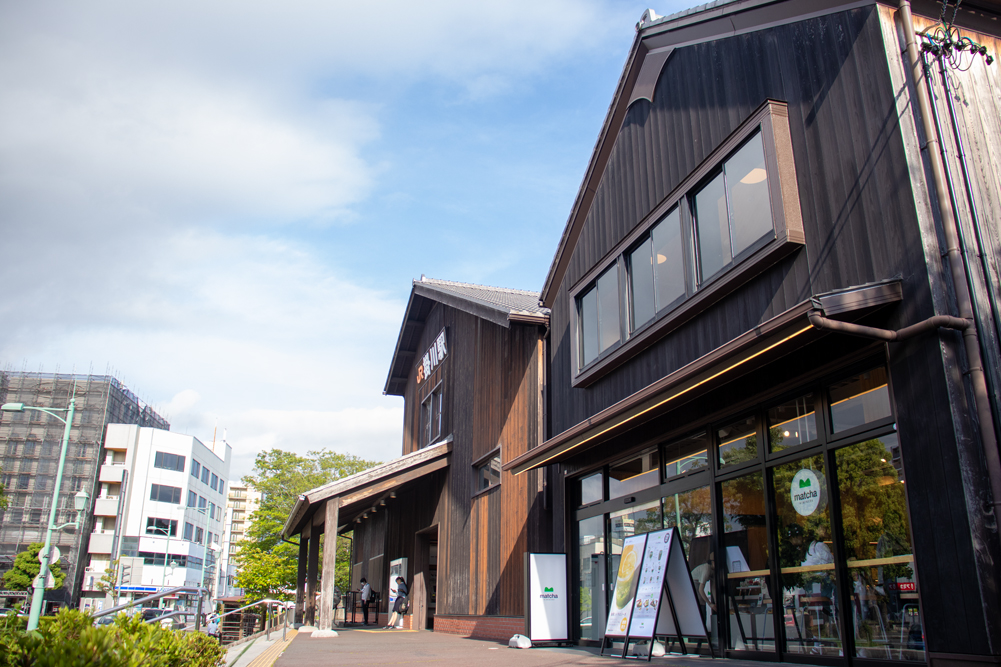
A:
[357,646]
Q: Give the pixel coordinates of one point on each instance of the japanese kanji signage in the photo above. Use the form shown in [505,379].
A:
[432,358]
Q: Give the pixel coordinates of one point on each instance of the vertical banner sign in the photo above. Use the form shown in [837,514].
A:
[649,591]
[620,612]
[432,358]
[547,598]
[397,568]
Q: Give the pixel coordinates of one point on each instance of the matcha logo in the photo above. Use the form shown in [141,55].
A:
[548,594]
[548,589]
[805,492]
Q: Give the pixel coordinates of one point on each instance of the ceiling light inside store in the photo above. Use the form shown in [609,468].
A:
[756,175]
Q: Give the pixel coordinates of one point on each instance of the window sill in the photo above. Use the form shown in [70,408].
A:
[483,492]
[765,257]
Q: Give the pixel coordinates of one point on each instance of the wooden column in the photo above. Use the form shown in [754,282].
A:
[329,562]
[314,557]
[300,576]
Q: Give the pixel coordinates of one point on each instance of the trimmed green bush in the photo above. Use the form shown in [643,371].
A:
[70,639]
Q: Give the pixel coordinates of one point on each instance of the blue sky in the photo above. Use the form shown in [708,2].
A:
[225,203]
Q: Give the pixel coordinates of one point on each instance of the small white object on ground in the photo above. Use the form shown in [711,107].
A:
[658,649]
[519,641]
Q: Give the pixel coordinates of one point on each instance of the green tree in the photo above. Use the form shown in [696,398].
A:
[110,578]
[267,564]
[21,577]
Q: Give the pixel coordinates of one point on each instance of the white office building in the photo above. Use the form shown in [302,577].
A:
[243,501]
[160,511]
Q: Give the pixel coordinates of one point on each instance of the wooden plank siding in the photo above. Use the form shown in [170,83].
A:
[491,382]
[857,207]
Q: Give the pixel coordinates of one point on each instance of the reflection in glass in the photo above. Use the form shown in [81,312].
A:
[633,475]
[747,190]
[745,554]
[591,550]
[859,400]
[792,423]
[877,539]
[669,268]
[590,489]
[686,455]
[738,442]
[588,324]
[806,558]
[713,227]
[691,512]
[641,301]
[608,309]
[634,521]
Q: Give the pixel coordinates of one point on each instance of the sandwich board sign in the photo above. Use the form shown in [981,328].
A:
[659,592]
[546,617]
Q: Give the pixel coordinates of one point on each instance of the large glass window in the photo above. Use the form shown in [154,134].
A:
[686,455]
[877,542]
[591,560]
[165,494]
[657,271]
[168,461]
[691,513]
[732,211]
[745,550]
[633,475]
[859,400]
[163,527]
[598,315]
[792,423]
[738,442]
[590,489]
[806,558]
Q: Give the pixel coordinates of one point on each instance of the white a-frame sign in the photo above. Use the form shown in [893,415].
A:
[659,592]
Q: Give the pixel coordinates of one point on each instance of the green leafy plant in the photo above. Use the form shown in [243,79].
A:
[70,639]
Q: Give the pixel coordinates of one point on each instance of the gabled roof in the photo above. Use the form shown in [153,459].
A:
[499,305]
[656,39]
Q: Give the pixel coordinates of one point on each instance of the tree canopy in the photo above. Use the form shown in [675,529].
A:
[267,564]
[21,577]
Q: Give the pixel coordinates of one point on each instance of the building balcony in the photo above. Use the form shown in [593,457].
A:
[101,543]
[106,506]
[112,473]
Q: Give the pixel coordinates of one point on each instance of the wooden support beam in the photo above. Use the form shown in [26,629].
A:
[300,578]
[329,565]
[314,556]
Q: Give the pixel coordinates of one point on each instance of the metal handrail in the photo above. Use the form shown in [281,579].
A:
[156,596]
[268,601]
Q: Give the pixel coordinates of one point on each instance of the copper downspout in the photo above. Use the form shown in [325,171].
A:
[961,289]
[932,323]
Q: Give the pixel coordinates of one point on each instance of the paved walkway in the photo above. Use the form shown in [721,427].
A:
[356,646]
[260,652]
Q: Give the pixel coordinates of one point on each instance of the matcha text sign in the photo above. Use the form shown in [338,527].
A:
[546,599]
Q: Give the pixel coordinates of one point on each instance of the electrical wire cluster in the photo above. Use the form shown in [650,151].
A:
[945,41]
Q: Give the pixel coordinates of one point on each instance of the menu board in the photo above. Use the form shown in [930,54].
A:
[621,609]
[651,583]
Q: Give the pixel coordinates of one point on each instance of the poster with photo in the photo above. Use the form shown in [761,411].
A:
[630,562]
[651,583]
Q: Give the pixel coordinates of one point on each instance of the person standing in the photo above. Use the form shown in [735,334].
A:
[366,595]
[401,605]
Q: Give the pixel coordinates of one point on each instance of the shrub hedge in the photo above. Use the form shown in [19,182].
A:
[70,639]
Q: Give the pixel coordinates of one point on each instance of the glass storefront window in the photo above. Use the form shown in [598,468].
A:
[745,550]
[633,475]
[590,489]
[877,542]
[792,423]
[858,400]
[810,599]
[685,455]
[633,521]
[738,442]
[591,560]
[691,513]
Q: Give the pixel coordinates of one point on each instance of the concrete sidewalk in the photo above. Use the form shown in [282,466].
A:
[356,646]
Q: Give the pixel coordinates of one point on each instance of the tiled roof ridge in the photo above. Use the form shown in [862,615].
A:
[455,283]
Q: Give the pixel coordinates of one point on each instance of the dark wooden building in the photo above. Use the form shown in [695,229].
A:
[766,215]
[468,364]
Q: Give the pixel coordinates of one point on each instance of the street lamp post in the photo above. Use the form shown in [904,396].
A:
[80,501]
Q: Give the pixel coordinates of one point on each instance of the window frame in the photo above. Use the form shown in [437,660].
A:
[431,428]
[481,463]
[622,314]
[160,461]
[771,119]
